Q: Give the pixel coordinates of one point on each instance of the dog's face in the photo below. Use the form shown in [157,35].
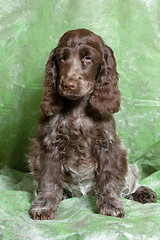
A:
[81,65]
[79,59]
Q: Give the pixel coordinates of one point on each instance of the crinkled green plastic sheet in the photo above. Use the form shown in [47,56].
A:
[29,30]
[76,218]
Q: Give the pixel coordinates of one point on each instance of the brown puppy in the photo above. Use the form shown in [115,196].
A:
[77,150]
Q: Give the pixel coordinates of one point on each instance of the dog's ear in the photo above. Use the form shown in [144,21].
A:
[51,101]
[106,97]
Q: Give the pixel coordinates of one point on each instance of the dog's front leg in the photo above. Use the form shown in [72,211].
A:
[112,169]
[50,194]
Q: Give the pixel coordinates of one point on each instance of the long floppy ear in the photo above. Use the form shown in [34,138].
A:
[51,101]
[106,97]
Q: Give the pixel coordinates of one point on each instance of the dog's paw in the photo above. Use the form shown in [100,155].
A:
[41,213]
[144,195]
[43,208]
[109,210]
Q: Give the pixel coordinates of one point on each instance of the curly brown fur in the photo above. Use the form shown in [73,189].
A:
[143,195]
[77,150]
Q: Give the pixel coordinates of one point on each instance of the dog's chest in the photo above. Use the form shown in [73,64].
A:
[74,141]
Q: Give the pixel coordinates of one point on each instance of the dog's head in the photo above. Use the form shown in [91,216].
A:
[79,66]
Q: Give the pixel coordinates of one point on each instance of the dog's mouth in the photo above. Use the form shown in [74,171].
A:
[75,94]
[71,96]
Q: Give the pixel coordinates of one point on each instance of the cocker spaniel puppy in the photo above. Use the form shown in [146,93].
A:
[77,150]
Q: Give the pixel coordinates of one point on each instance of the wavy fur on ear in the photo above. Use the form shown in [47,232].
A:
[51,102]
[106,97]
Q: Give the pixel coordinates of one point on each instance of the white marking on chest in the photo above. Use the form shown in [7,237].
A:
[82,182]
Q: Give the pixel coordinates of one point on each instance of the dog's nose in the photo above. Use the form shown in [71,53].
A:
[70,84]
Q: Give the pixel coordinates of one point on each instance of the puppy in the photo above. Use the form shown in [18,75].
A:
[77,150]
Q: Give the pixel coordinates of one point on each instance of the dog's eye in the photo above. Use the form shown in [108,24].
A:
[87,59]
[62,59]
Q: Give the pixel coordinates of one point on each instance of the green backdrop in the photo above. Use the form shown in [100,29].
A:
[29,30]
